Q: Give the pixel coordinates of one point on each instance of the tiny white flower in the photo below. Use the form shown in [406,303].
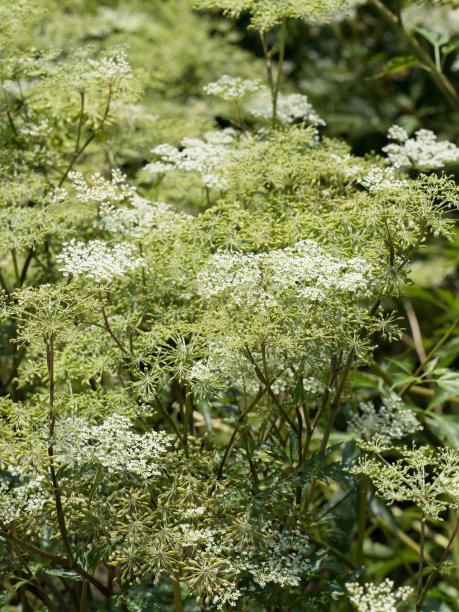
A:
[97,260]
[377,597]
[423,151]
[379,179]
[231,88]
[290,108]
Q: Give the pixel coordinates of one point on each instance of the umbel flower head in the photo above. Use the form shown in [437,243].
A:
[265,13]
[138,218]
[205,157]
[97,260]
[382,179]
[113,445]
[27,498]
[100,191]
[377,597]
[290,108]
[381,427]
[231,88]
[427,478]
[422,152]
[305,269]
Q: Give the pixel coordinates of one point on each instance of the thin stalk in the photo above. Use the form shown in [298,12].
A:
[183,415]
[189,410]
[15,266]
[282,37]
[70,561]
[333,506]
[52,557]
[336,401]
[118,342]
[439,78]
[241,419]
[178,603]
[334,408]
[84,597]
[169,420]
[269,68]
[421,564]
[80,122]
[52,469]
[78,151]
[362,521]
[253,471]
[423,594]
[264,380]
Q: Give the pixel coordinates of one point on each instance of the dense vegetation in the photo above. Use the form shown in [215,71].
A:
[229,306]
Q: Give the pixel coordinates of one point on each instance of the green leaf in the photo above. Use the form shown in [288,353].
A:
[398,64]
[448,387]
[63,573]
[436,39]
[446,426]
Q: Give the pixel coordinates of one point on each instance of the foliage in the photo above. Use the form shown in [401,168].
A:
[208,397]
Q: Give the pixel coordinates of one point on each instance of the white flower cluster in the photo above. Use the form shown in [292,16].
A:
[28,498]
[194,512]
[377,597]
[378,179]
[97,260]
[290,108]
[100,191]
[110,68]
[422,152]
[227,595]
[112,445]
[206,157]
[137,219]
[391,422]
[231,88]
[284,561]
[36,130]
[306,269]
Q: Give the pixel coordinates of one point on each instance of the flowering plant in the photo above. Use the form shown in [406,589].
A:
[194,411]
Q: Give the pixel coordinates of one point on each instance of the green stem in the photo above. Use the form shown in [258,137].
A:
[184,417]
[282,37]
[442,82]
[107,326]
[240,421]
[178,603]
[52,469]
[434,574]
[421,564]
[84,597]
[362,521]
[15,266]
[262,377]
